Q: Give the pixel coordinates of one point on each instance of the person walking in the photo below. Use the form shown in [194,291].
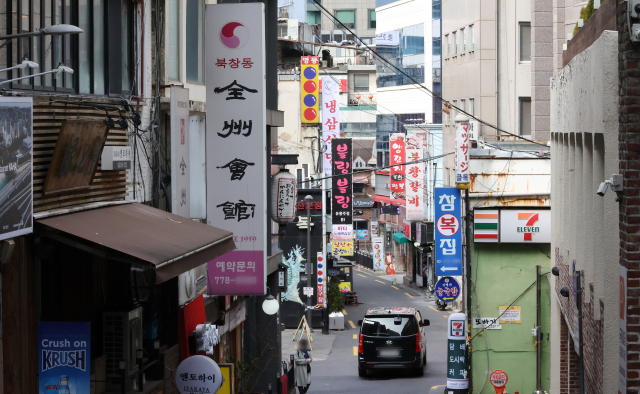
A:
[302,361]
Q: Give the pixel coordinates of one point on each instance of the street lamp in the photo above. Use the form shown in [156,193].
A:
[51,30]
[25,63]
[61,68]
[270,305]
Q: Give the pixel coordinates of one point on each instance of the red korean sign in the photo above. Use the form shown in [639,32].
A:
[499,380]
[343,85]
[396,160]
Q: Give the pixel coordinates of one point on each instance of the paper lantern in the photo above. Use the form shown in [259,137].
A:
[284,190]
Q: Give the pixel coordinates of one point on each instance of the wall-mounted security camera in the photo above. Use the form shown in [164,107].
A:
[565,292]
[616,185]
[555,271]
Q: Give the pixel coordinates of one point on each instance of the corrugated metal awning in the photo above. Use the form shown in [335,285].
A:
[170,243]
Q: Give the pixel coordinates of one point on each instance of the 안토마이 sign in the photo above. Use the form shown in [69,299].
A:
[525,226]
[198,374]
[236,145]
[64,350]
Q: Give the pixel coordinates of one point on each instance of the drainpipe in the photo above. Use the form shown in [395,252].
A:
[538,334]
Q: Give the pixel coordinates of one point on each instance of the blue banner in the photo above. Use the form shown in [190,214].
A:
[64,350]
[448,231]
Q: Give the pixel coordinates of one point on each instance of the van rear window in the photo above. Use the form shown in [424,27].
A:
[384,326]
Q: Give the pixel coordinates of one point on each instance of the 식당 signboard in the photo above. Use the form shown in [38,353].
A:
[448,242]
[341,182]
[16,166]
[330,119]
[396,160]
[64,350]
[180,164]
[236,145]
[309,89]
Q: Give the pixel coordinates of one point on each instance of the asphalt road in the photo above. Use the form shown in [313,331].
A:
[339,372]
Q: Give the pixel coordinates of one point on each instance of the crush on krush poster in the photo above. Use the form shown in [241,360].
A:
[64,350]
[16,166]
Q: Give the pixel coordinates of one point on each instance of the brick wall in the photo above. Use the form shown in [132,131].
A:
[629,214]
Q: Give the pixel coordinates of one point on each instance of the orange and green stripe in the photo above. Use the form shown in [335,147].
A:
[485,226]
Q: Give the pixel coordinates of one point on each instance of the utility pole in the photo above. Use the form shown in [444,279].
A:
[467,236]
[538,334]
[325,310]
[309,265]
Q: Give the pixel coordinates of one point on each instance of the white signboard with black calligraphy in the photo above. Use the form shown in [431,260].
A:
[236,143]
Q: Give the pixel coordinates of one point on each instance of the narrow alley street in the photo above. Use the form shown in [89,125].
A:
[338,372]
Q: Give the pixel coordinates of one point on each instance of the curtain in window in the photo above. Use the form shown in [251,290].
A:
[173,33]
[347,17]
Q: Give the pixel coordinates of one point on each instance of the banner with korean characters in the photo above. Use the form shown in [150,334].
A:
[341,182]
[461,158]
[64,350]
[457,362]
[396,160]
[236,144]
[342,248]
[180,165]
[490,323]
[330,119]
[342,232]
[321,271]
[414,182]
[309,89]
[448,243]
[377,244]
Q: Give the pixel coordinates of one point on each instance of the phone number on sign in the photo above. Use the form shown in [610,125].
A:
[244,238]
[223,280]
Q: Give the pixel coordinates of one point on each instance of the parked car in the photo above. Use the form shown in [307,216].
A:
[392,338]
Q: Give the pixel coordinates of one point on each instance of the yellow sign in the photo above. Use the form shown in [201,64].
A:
[512,315]
[309,89]
[345,285]
[342,248]
[227,375]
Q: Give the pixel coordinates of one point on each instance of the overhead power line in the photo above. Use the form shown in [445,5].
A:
[418,84]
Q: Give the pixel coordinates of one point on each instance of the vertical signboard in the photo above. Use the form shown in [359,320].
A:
[622,337]
[457,352]
[321,270]
[396,160]
[341,182]
[16,166]
[462,155]
[448,243]
[330,119]
[378,253]
[236,144]
[414,184]
[180,164]
[64,351]
[309,89]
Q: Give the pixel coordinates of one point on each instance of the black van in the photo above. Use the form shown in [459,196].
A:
[392,338]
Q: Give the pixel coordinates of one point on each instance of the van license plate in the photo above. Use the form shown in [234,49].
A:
[389,353]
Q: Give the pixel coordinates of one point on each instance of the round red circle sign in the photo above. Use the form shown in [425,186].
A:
[498,378]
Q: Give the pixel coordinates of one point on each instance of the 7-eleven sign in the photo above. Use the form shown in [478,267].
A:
[457,328]
[525,226]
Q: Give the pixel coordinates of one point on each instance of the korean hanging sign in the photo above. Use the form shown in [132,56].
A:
[414,182]
[448,231]
[341,182]
[330,118]
[309,90]
[396,158]
[462,154]
[236,145]
[180,164]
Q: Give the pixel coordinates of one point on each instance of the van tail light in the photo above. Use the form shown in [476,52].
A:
[418,344]
[360,342]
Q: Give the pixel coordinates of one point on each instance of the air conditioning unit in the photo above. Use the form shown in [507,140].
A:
[187,287]
[325,63]
[122,331]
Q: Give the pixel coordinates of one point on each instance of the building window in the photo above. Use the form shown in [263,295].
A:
[347,18]
[463,105]
[405,49]
[448,46]
[314,18]
[472,109]
[361,82]
[454,112]
[455,43]
[106,25]
[173,37]
[358,188]
[359,163]
[194,36]
[372,19]
[525,115]
[525,41]
[463,38]
[472,38]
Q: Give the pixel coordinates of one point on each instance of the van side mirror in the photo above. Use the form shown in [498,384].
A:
[359,322]
[426,322]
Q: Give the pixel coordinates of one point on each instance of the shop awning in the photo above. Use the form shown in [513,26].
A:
[170,243]
[400,238]
[388,200]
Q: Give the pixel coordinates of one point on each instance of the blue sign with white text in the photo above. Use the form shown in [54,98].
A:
[448,231]
[447,289]
[64,350]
